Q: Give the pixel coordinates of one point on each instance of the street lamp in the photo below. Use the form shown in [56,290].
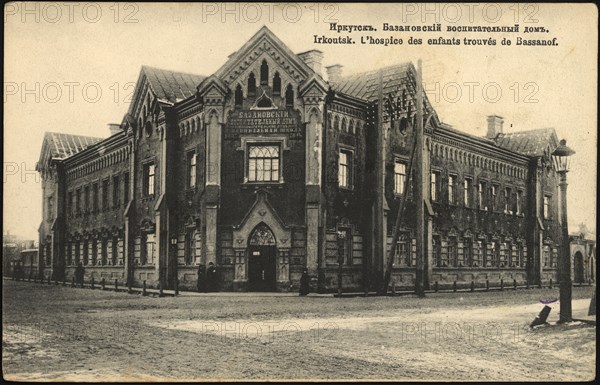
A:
[562,162]
[341,240]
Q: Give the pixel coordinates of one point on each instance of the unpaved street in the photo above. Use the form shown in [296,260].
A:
[60,333]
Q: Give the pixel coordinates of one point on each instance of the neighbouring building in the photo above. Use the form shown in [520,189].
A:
[583,255]
[270,165]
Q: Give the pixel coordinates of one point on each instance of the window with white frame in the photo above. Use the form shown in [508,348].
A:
[191,162]
[467,192]
[451,188]
[345,169]
[399,177]
[149,178]
[507,208]
[434,186]
[263,163]
[481,196]
[546,207]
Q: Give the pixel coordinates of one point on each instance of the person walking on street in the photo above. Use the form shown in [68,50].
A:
[304,282]
[201,279]
[211,277]
[79,272]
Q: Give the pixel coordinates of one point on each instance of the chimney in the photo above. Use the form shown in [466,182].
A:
[494,126]
[114,128]
[312,59]
[334,73]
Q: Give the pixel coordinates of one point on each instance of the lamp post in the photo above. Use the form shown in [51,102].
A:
[341,241]
[562,161]
[172,260]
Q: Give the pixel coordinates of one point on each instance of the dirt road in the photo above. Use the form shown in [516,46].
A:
[58,333]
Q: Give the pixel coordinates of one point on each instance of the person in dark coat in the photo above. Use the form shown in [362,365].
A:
[79,272]
[201,278]
[304,282]
[211,277]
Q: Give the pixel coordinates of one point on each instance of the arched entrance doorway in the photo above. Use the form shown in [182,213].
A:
[578,267]
[262,259]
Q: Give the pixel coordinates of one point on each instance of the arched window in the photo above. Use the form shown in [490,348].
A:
[344,125]
[264,73]
[239,96]
[251,85]
[289,96]
[276,84]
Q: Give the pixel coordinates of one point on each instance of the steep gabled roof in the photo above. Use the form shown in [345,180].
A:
[531,143]
[263,35]
[62,146]
[170,85]
[365,85]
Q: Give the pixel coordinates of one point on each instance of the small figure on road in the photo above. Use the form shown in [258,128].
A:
[79,272]
[201,278]
[211,277]
[304,282]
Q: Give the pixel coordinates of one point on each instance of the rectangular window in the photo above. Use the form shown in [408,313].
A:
[494,196]
[345,169]
[77,252]
[86,252]
[115,195]
[467,192]
[452,252]
[149,174]
[78,201]
[345,243]
[402,256]
[70,208]
[519,202]
[115,250]
[105,194]
[546,207]
[481,196]
[507,209]
[451,187]
[263,163]
[148,249]
[94,252]
[189,247]
[69,253]
[434,186]
[86,198]
[95,197]
[468,252]
[546,256]
[104,251]
[435,246]
[126,188]
[399,177]
[191,162]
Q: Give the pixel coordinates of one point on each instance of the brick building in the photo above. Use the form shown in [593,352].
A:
[261,166]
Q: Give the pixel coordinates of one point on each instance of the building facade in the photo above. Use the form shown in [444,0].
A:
[265,168]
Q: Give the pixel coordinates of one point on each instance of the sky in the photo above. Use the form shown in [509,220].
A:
[72,68]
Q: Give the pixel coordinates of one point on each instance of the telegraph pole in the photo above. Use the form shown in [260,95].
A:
[419,188]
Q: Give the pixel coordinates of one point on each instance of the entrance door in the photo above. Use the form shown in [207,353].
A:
[261,268]
[578,262]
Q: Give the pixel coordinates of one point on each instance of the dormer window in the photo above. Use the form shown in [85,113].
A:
[276,84]
[239,96]
[289,96]
[264,73]
[251,85]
